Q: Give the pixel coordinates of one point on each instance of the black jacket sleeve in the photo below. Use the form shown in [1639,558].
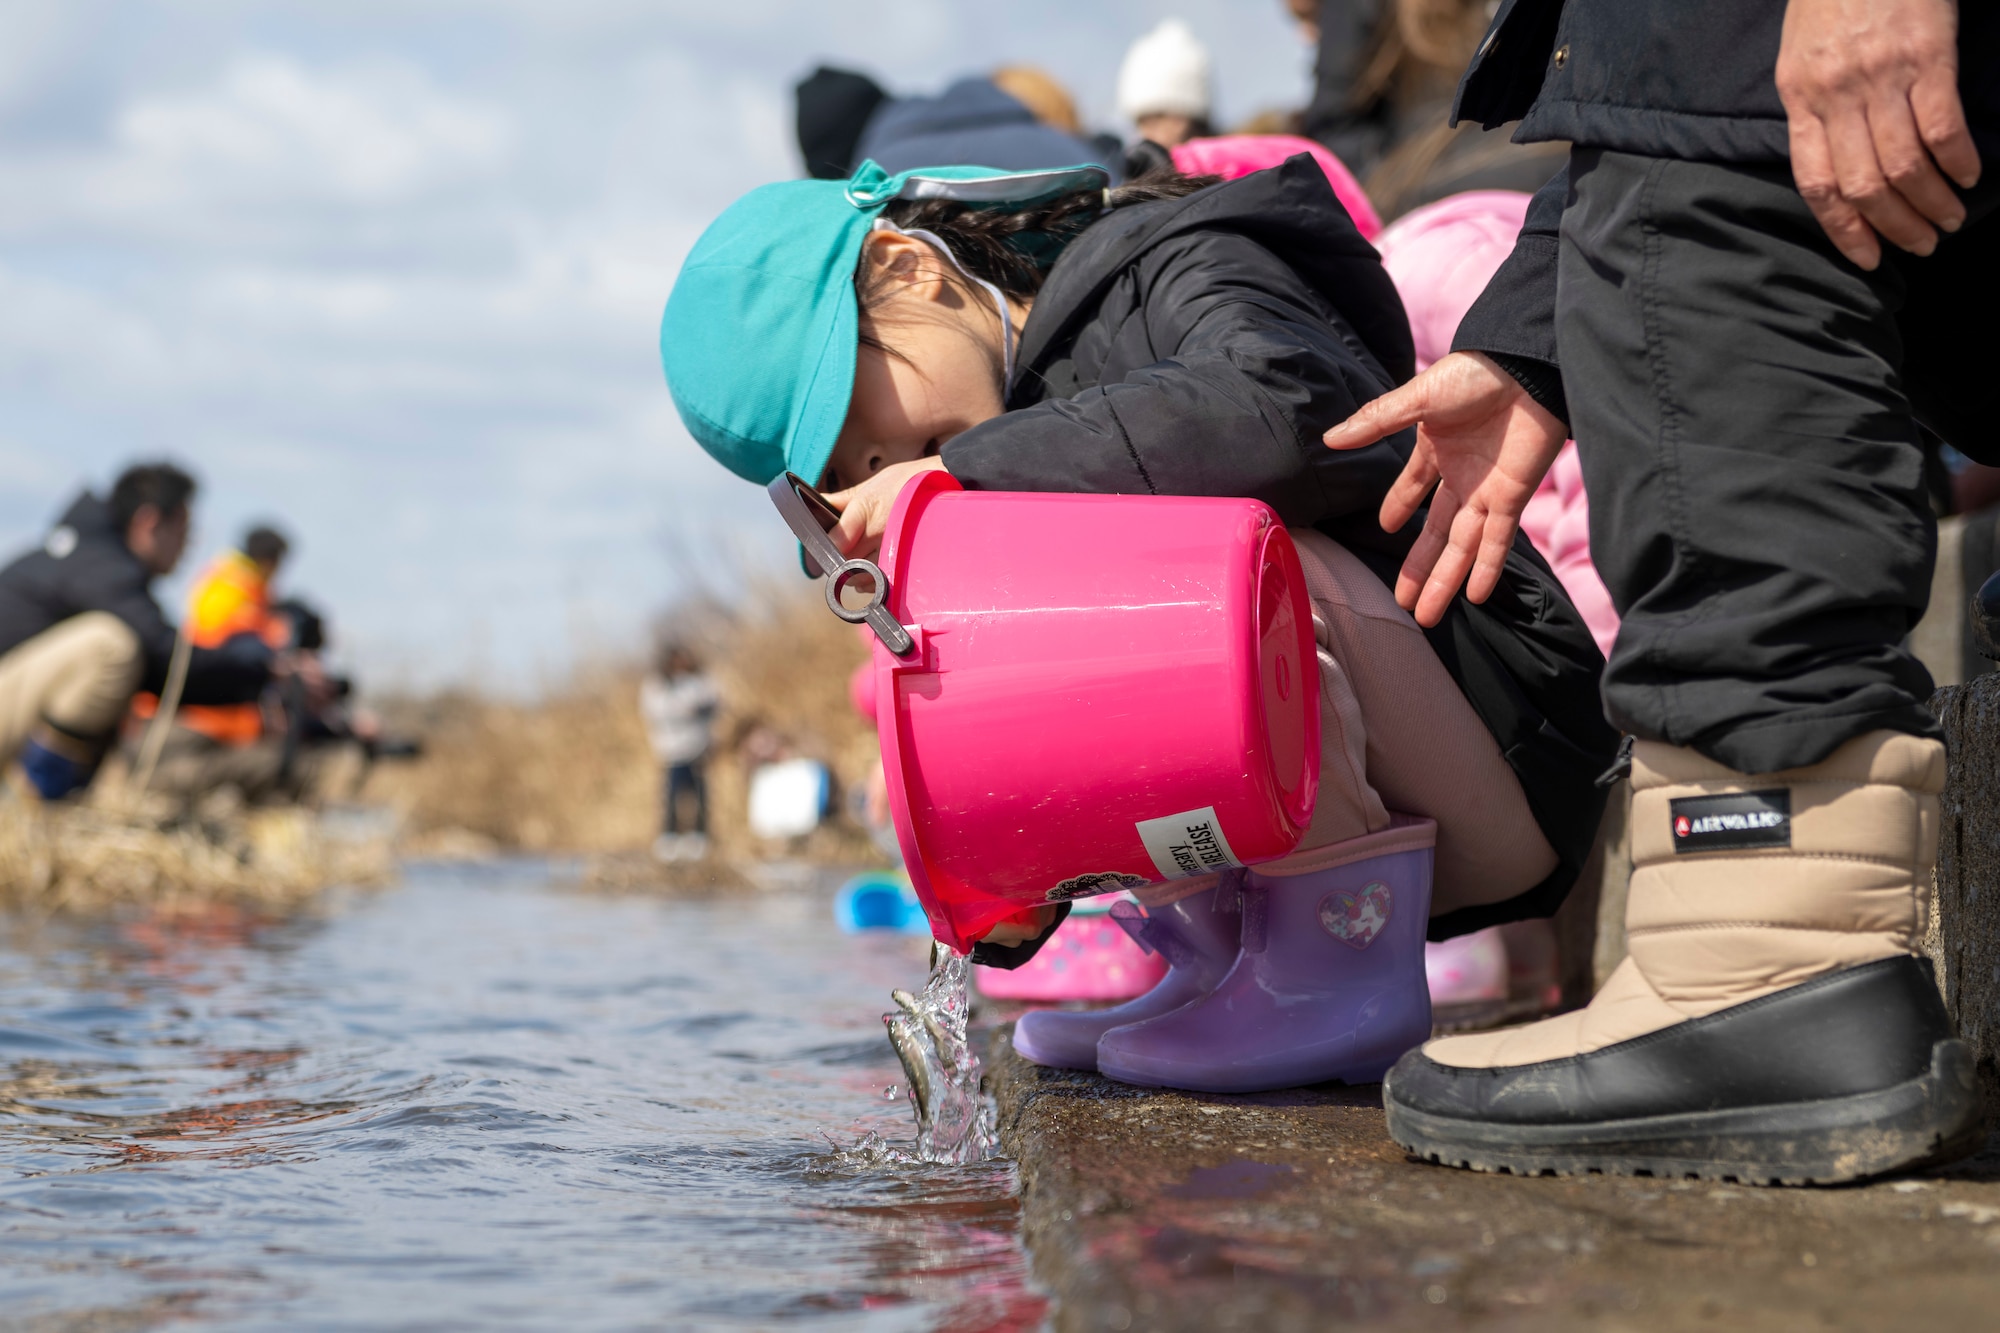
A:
[1514,319]
[1251,367]
[233,672]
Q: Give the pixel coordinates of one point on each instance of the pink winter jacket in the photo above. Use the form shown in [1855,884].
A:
[1441,257]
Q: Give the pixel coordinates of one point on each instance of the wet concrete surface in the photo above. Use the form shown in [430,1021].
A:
[1293,1210]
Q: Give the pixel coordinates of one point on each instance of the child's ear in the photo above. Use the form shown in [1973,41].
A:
[906,263]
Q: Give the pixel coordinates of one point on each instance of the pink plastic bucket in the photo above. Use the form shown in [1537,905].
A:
[1104,691]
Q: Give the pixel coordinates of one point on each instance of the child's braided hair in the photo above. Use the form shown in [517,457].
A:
[1014,248]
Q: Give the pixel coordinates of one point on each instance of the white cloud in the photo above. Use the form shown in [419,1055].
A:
[391,271]
[369,134]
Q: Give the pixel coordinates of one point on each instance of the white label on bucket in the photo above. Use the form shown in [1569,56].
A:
[1189,843]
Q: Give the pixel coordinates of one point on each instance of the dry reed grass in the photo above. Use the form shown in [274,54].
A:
[571,771]
[85,858]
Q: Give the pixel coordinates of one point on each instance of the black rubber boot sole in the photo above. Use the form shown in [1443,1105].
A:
[1932,1118]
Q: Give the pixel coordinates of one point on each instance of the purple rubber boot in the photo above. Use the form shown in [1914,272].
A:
[1198,936]
[1330,983]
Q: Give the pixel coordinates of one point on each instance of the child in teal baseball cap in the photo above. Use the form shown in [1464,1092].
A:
[1173,336]
[762,330]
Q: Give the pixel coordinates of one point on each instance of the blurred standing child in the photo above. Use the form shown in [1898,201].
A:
[679,701]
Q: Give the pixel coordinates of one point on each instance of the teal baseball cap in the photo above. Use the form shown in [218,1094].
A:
[761,329]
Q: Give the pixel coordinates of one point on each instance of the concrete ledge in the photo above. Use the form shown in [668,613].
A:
[1293,1210]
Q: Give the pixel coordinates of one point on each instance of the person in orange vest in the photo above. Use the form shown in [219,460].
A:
[232,597]
[282,745]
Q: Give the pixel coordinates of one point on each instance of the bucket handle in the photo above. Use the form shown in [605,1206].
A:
[810,518]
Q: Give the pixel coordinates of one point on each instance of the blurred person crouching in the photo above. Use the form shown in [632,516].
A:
[80,631]
[679,701]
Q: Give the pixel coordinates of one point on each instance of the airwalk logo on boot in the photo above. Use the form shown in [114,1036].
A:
[1733,822]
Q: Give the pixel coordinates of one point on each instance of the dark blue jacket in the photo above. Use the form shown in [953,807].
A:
[971,123]
[1688,79]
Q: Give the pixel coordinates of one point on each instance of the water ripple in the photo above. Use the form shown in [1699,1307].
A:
[477,1103]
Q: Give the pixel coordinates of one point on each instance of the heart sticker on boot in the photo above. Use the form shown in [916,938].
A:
[1355,919]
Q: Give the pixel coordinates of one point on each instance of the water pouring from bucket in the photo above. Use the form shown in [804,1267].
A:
[955,1121]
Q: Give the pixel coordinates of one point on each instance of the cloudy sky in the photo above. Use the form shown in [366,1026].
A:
[391,271]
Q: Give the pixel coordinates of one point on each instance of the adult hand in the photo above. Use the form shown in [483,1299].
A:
[864,509]
[1870,89]
[1485,444]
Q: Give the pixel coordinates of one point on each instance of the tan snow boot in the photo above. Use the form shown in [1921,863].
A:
[1769,1022]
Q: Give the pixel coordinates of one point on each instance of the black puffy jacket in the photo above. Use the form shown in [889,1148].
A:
[86,566]
[1687,79]
[1694,80]
[1201,346]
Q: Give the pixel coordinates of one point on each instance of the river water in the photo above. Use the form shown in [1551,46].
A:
[477,1101]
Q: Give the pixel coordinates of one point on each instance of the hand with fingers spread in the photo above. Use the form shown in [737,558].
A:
[864,508]
[1485,444]
[1870,89]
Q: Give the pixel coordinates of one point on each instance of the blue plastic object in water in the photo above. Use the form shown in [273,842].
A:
[879,900]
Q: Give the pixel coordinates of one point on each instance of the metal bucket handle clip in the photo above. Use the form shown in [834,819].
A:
[810,518]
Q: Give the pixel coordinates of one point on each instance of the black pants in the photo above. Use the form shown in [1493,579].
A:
[1741,398]
[685,778]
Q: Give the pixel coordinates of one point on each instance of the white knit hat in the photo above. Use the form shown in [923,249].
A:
[1166,73]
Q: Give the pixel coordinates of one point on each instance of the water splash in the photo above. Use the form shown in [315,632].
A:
[869,1153]
[955,1122]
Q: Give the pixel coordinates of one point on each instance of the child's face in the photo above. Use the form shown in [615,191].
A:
[940,376]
